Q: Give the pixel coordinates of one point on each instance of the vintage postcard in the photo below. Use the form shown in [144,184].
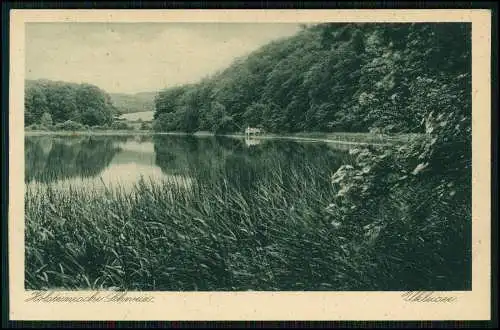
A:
[249,165]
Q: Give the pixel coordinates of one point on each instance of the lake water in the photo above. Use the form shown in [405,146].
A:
[104,161]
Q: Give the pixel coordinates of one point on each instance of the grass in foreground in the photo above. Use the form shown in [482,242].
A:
[162,236]
[225,233]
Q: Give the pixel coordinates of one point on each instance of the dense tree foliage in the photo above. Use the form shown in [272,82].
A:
[329,77]
[52,102]
[415,200]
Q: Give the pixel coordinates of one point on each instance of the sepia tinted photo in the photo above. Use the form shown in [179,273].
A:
[248,156]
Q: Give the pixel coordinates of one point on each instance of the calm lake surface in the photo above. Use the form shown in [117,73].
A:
[105,161]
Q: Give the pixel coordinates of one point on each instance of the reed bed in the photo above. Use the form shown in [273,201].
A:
[227,230]
[218,234]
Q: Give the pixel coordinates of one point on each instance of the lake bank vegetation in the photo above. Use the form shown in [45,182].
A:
[243,219]
[394,217]
[339,137]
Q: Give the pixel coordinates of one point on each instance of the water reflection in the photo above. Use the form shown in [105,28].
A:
[230,159]
[249,142]
[49,158]
[123,160]
[95,161]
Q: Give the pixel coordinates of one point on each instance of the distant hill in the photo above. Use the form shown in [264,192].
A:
[129,103]
[143,115]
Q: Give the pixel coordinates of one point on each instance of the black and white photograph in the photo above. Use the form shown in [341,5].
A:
[248,156]
[230,156]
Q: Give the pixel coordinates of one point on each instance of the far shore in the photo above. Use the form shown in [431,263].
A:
[336,137]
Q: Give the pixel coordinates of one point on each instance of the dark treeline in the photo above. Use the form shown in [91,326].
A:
[330,77]
[49,103]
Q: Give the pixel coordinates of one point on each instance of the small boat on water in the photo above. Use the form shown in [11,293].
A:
[252,130]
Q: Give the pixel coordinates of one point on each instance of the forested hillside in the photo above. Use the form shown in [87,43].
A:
[331,77]
[50,103]
[130,103]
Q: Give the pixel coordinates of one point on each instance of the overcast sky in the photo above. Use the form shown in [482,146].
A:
[138,57]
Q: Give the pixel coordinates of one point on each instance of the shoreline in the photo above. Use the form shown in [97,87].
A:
[341,138]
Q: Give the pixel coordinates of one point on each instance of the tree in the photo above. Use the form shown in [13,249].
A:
[217,113]
[253,115]
[81,103]
[94,105]
[92,117]
[46,120]
[190,118]
[165,122]
[35,103]
[226,125]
